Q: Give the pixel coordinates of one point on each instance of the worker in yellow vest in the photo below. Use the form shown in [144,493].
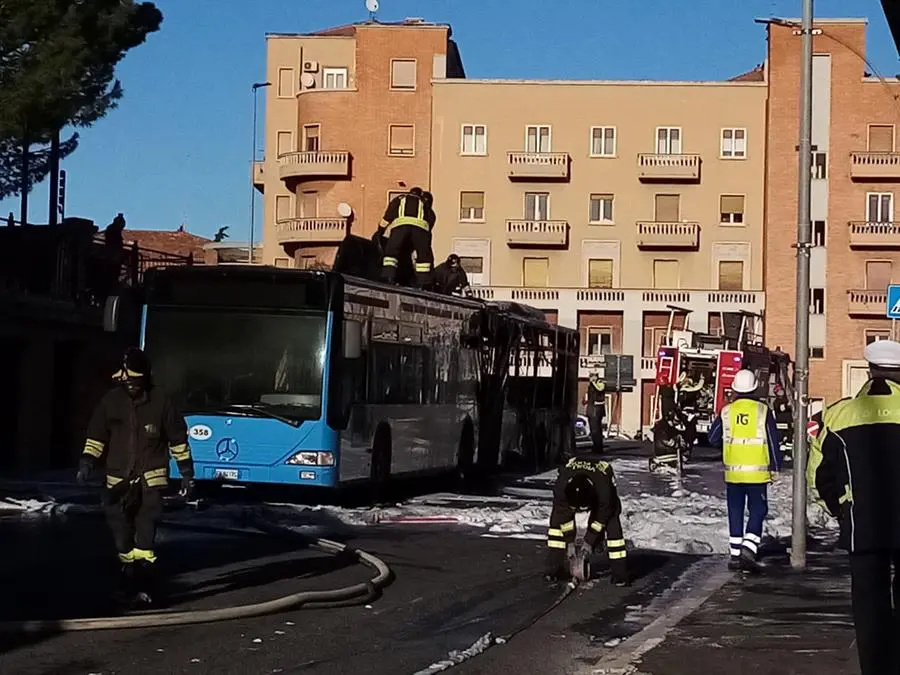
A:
[748,434]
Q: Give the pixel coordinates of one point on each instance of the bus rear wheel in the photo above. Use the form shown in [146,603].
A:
[380,471]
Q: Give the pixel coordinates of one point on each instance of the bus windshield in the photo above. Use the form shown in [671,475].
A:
[239,362]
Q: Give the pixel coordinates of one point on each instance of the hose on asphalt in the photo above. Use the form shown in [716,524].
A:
[346,595]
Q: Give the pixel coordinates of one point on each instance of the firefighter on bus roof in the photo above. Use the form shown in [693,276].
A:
[408,222]
[585,483]
[134,428]
[748,435]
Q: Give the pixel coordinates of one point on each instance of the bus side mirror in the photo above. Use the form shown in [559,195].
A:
[352,339]
[111,314]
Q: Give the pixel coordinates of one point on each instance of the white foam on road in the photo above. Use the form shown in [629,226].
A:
[19,506]
[454,658]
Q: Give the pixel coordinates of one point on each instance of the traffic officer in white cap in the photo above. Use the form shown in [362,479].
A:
[858,479]
[748,434]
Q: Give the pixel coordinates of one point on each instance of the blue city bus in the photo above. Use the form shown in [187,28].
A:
[315,379]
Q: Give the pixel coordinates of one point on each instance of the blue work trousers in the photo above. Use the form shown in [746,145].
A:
[744,497]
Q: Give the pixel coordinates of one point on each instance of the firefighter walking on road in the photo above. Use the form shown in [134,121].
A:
[408,222]
[587,484]
[595,409]
[749,437]
[134,428]
[857,476]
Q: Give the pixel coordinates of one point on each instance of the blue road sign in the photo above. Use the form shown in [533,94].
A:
[893,301]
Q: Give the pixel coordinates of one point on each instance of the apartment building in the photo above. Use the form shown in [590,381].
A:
[603,203]
[856,172]
[348,119]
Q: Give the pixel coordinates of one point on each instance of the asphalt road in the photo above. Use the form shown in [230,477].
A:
[451,588]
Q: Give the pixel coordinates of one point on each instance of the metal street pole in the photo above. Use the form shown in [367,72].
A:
[801,363]
[256,87]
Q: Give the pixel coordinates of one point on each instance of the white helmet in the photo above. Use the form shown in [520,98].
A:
[744,382]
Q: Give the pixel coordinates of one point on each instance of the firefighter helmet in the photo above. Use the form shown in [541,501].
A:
[581,492]
[135,365]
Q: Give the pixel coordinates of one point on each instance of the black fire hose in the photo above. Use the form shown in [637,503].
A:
[155,619]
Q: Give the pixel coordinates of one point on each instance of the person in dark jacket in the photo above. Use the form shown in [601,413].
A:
[408,222]
[135,428]
[595,409]
[450,277]
[585,483]
[857,477]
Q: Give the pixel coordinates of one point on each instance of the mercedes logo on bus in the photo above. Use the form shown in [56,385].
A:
[227,449]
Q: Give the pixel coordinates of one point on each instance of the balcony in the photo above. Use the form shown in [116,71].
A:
[875,165]
[537,233]
[648,367]
[309,165]
[257,175]
[668,236]
[864,235]
[666,168]
[538,165]
[867,303]
[311,231]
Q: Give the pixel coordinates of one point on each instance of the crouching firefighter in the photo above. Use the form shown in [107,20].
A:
[748,435]
[585,483]
[408,222]
[134,428]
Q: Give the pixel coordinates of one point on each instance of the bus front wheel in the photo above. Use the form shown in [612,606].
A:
[380,471]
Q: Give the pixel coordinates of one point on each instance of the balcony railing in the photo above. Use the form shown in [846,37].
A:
[661,235]
[538,165]
[573,300]
[648,366]
[866,303]
[553,233]
[875,165]
[662,167]
[257,175]
[306,165]
[311,230]
[865,235]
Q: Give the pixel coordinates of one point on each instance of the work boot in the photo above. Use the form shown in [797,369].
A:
[749,562]
[734,564]
[144,582]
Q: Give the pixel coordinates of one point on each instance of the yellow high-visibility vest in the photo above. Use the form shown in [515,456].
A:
[745,447]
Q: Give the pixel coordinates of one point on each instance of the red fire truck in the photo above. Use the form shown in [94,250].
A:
[702,366]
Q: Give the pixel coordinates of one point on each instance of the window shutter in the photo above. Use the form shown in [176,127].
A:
[732,204]
[665,274]
[402,138]
[600,274]
[471,200]
[667,210]
[403,74]
[731,275]
[878,275]
[881,138]
[535,272]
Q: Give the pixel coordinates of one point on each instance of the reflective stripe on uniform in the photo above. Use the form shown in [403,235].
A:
[407,220]
[568,527]
[388,261]
[555,543]
[847,497]
[112,481]
[423,267]
[126,557]
[144,554]
[124,374]
[157,477]
[745,447]
[615,549]
[596,526]
[553,532]
[94,448]
[180,452]
[617,555]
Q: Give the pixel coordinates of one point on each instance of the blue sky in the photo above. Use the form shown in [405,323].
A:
[177,149]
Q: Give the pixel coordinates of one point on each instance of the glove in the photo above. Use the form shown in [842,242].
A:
[85,469]
[557,568]
[187,488]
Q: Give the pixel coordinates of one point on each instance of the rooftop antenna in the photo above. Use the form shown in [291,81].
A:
[372,6]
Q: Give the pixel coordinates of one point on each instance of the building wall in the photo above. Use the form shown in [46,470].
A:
[845,103]
[635,110]
[355,119]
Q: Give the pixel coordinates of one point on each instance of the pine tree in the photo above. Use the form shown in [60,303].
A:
[57,70]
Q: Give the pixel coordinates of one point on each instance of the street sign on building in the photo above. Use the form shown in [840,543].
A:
[893,301]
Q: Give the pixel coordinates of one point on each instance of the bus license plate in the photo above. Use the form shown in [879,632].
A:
[227,474]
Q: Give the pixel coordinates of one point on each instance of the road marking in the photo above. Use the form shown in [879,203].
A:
[694,587]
